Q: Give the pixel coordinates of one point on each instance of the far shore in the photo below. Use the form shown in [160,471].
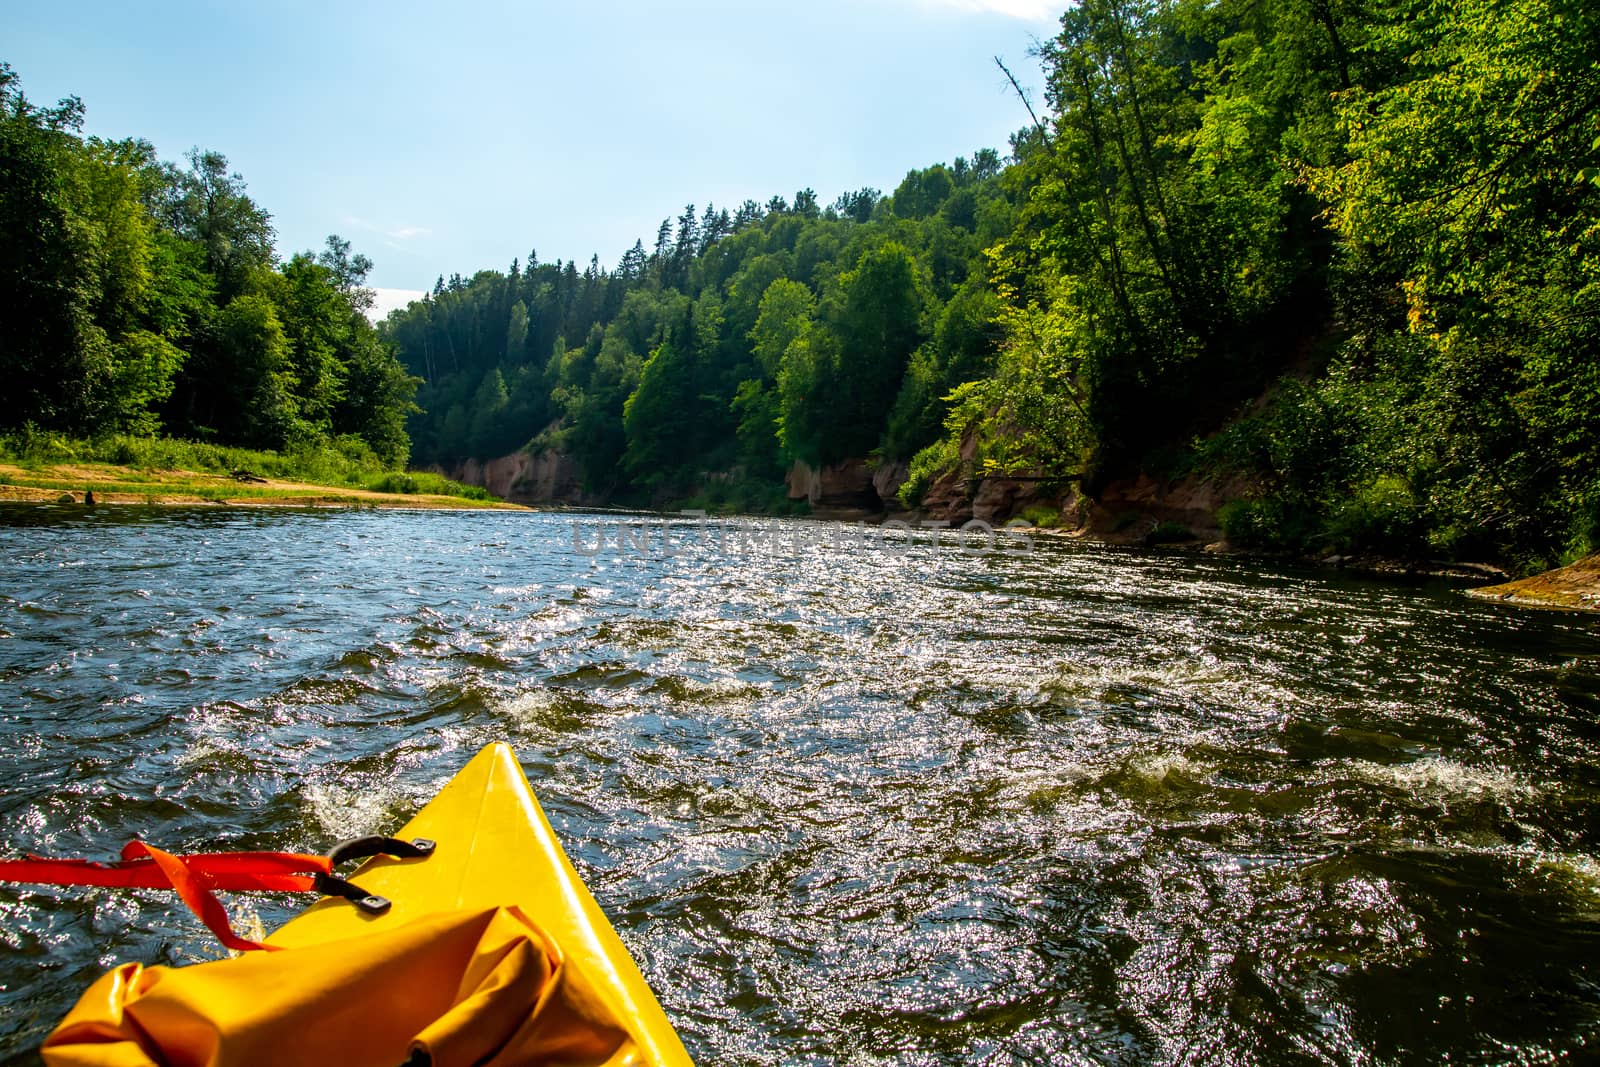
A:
[1575,587]
[65,483]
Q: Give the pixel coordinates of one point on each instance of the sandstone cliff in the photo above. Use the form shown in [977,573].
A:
[1126,511]
[848,489]
[543,477]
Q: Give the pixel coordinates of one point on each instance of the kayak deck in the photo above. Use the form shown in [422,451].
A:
[496,847]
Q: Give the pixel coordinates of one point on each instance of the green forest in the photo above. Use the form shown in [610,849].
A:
[141,297]
[1345,256]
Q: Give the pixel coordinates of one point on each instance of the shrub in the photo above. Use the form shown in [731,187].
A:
[926,466]
[346,460]
[1169,533]
[392,482]
[31,444]
[743,495]
[1041,515]
[1383,514]
[1267,523]
[439,485]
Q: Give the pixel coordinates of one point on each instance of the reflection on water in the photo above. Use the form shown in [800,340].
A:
[857,803]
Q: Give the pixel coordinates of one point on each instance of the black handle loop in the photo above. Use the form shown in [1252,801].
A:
[360,848]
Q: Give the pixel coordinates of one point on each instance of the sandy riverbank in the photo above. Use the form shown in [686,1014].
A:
[112,484]
[1575,587]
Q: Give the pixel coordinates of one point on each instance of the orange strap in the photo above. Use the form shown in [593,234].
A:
[196,878]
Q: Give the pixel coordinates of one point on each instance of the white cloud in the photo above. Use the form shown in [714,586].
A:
[1027,10]
[394,233]
[387,300]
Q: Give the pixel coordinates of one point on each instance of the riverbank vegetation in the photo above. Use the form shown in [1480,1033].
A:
[1343,259]
[343,462]
[144,298]
[120,467]
[1346,256]
[744,340]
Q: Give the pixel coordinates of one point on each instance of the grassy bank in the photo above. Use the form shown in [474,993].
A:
[124,469]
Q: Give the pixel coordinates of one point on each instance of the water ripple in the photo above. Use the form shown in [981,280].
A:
[847,801]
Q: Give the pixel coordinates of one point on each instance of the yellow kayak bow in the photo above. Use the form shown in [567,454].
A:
[492,952]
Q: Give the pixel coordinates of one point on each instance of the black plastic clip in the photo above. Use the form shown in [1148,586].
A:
[331,885]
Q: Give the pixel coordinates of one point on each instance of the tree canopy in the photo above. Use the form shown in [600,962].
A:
[745,339]
[146,297]
[1347,256]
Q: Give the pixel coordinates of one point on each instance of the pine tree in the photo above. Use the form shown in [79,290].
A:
[748,214]
[688,239]
[663,253]
[632,266]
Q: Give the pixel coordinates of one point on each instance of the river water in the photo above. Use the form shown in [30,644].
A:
[847,801]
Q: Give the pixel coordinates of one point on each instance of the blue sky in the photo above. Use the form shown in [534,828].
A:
[451,137]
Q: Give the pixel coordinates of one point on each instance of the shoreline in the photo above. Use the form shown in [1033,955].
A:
[1575,587]
[114,485]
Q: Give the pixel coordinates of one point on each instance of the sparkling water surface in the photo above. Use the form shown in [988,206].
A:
[847,801]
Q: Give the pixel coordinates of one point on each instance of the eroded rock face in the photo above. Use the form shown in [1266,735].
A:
[801,480]
[551,478]
[847,484]
[844,487]
[998,500]
[496,475]
[947,499]
[1128,510]
[887,480]
[544,477]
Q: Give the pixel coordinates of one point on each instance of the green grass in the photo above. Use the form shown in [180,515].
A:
[422,482]
[1041,515]
[147,465]
[341,461]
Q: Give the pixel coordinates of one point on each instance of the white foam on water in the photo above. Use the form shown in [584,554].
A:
[1583,868]
[1441,778]
[343,811]
[533,708]
[203,749]
[1201,679]
[1155,767]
